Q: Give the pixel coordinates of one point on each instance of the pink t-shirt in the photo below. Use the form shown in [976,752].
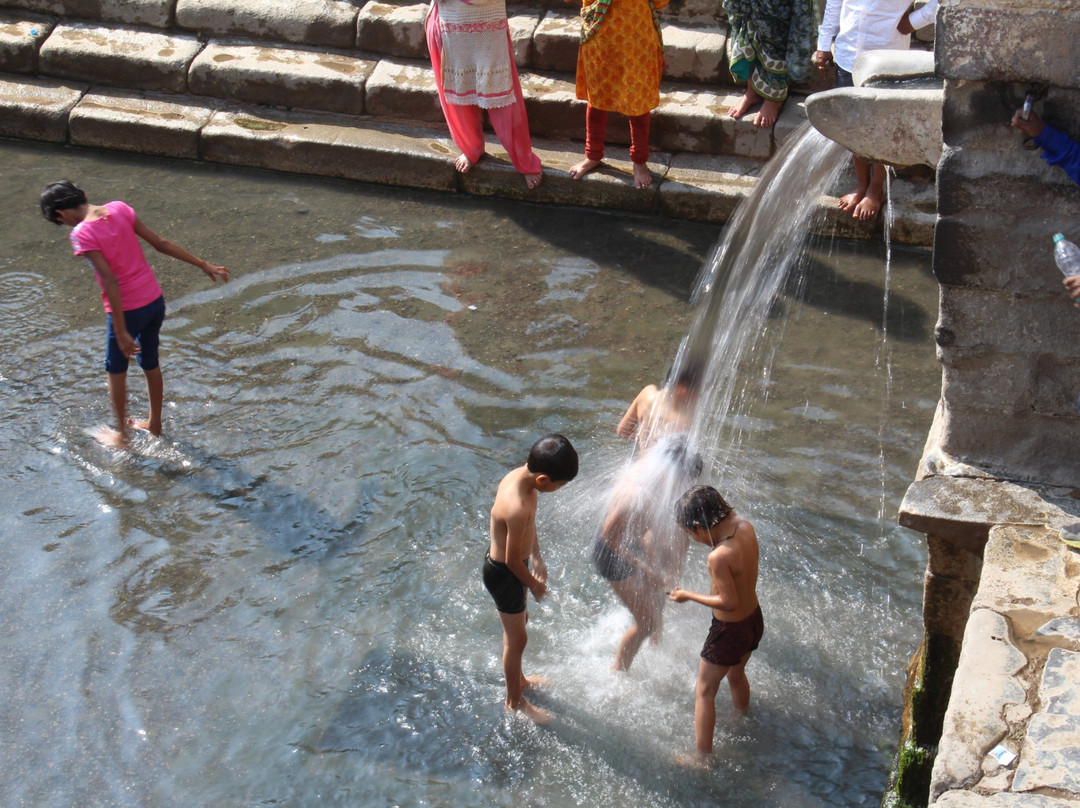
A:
[114,237]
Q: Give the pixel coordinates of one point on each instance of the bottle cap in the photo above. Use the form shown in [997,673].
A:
[1059,237]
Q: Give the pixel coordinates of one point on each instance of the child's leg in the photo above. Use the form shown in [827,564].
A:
[595,132]
[870,205]
[739,685]
[647,611]
[118,399]
[862,182]
[465,122]
[639,149]
[148,321]
[708,683]
[155,392]
[515,639]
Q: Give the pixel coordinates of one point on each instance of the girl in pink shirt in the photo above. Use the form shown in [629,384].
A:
[108,236]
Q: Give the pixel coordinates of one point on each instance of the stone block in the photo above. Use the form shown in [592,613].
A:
[331,146]
[1027,569]
[392,30]
[403,91]
[894,66]
[948,559]
[522,26]
[20,38]
[696,55]
[154,13]
[555,111]
[287,77]
[37,109]
[330,23]
[946,605]
[1039,448]
[982,42]
[119,57]
[164,125]
[706,187]
[895,126]
[1048,760]
[1003,799]
[556,40]
[986,682]
[1012,389]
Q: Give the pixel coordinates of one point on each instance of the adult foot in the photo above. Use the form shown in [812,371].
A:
[642,176]
[532,180]
[463,163]
[767,115]
[579,170]
[749,98]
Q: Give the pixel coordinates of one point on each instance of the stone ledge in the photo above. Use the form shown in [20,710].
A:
[139,60]
[37,109]
[162,125]
[20,40]
[329,23]
[153,13]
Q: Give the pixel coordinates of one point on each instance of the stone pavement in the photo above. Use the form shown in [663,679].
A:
[1017,684]
[345,90]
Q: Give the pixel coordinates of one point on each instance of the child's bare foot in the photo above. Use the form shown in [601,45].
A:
[579,170]
[528,682]
[868,207]
[848,202]
[769,112]
[532,712]
[109,437]
[694,760]
[144,426]
[642,176]
[532,180]
[749,98]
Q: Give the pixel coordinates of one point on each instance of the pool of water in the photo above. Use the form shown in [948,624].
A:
[279,602]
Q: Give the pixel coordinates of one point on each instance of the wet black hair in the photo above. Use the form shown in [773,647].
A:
[60,195]
[685,374]
[701,507]
[554,456]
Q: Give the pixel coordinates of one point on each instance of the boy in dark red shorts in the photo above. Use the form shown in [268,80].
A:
[737,624]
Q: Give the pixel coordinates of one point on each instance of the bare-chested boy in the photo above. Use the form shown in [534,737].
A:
[737,624]
[552,463]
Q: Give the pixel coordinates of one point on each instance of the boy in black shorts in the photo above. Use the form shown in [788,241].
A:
[552,463]
[737,624]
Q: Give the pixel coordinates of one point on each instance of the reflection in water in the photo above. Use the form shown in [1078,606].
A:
[280,603]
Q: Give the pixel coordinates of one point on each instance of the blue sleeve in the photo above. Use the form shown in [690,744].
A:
[1060,150]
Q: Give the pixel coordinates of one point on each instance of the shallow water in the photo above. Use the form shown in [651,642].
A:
[279,602]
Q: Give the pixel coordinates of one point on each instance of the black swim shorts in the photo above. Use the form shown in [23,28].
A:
[728,643]
[506,590]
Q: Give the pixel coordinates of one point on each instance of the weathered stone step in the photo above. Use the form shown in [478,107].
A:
[692,186]
[688,119]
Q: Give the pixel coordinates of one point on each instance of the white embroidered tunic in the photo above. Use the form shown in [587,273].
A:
[476,66]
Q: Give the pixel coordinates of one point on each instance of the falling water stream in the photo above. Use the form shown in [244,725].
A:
[278,603]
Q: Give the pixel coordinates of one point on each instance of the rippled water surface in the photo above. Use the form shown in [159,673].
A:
[279,602]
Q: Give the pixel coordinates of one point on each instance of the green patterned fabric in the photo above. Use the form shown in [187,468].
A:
[771,42]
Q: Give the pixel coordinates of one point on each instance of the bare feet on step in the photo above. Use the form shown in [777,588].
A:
[868,207]
[463,163]
[749,98]
[532,180]
[579,170]
[848,202]
[642,176]
[769,112]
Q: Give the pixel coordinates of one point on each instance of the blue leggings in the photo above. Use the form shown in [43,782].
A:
[144,325]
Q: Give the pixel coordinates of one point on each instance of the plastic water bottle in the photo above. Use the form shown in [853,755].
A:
[1066,255]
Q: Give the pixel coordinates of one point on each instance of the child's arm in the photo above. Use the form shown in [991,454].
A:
[726,598]
[539,567]
[112,293]
[517,548]
[166,247]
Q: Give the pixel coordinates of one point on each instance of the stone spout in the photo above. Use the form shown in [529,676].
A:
[892,115]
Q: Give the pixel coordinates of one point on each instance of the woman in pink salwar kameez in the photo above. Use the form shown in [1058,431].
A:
[471,55]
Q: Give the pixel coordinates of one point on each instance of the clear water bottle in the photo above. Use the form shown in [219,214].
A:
[1066,255]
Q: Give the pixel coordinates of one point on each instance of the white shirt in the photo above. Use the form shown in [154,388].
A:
[850,27]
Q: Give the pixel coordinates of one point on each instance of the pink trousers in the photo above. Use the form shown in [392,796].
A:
[467,123]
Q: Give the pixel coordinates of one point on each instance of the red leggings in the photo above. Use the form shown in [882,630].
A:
[596,129]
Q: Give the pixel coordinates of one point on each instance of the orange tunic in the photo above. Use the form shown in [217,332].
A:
[620,66]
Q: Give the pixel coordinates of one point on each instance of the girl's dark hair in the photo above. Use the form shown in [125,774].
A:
[60,195]
[554,456]
[701,507]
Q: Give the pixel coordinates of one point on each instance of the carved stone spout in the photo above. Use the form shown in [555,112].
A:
[892,115]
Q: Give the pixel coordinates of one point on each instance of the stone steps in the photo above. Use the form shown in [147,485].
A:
[142,75]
